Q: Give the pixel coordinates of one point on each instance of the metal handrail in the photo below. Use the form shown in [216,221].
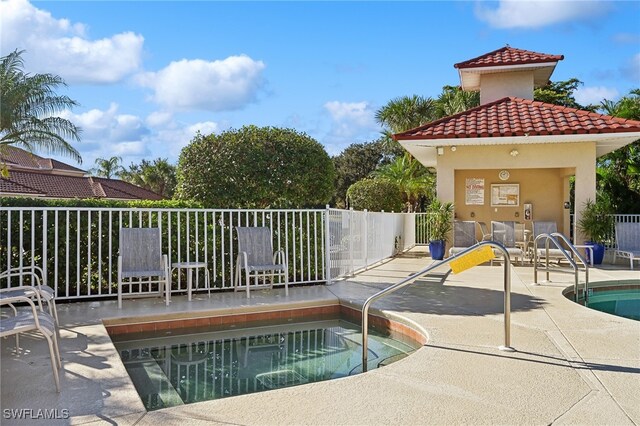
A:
[580,257]
[552,237]
[410,278]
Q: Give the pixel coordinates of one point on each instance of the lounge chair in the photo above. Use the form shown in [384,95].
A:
[484,230]
[141,257]
[31,319]
[464,236]
[256,257]
[545,227]
[38,285]
[627,242]
[504,233]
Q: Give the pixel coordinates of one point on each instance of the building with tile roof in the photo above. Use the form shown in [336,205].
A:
[33,176]
[512,151]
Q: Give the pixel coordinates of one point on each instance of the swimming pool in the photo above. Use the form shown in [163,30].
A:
[197,366]
[623,302]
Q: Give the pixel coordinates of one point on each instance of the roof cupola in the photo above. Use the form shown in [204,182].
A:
[507,72]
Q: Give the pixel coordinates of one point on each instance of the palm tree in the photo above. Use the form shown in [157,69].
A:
[29,107]
[415,180]
[406,112]
[158,176]
[108,168]
[453,100]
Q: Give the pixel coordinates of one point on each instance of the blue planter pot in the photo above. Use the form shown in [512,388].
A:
[598,252]
[436,249]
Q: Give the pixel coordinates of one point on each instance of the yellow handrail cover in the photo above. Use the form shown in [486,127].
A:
[471,259]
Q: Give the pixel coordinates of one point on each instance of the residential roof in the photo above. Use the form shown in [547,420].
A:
[64,186]
[32,175]
[19,157]
[508,56]
[513,116]
[120,189]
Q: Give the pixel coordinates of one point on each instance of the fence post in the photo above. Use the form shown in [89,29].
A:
[365,238]
[327,246]
[351,234]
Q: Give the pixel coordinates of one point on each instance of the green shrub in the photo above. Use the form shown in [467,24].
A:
[375,195]
[255,167]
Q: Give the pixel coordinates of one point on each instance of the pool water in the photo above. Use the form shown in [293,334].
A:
[183,369]
[623,303]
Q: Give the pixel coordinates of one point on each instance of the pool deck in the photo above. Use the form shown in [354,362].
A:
[572,365]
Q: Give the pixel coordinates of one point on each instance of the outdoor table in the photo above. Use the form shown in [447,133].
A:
[190,266]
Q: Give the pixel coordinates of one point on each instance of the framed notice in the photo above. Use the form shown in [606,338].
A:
[474,192]
[505,195]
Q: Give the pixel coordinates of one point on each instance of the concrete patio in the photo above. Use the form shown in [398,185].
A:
[572,365]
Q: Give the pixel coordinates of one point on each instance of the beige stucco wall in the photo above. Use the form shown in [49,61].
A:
[544,198]
[497,86]
[541,169]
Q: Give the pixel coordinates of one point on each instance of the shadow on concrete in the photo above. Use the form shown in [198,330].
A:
[429,295]
[548,360]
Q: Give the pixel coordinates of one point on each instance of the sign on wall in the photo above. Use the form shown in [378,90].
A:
[505,194]
[474,192]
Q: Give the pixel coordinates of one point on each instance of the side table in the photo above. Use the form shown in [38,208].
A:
[190,266]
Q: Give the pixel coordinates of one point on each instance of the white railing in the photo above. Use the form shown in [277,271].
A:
[359,239]
[421,229]
[620,218]
[77,248]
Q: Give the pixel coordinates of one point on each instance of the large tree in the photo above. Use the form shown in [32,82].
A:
[619,171]
[28,117]
[357,162]
[158,176]
[256,167]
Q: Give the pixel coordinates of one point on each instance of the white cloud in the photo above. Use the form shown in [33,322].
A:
[351,122]
[538,13]
[108,132]
[108,125]
[595,94]
[159,118]
[61,47]
[220,85]
[626,38]
[356,114]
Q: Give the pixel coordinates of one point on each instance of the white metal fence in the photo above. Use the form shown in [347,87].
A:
[77,248]
[359,239]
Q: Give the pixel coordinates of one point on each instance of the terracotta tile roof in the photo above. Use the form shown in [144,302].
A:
[508,56]
[516,117]
[63,186]
[7,186]
[53,186]
[120,189]
[19,157]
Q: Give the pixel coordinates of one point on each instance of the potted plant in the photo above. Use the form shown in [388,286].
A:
[596,224]
[439,225]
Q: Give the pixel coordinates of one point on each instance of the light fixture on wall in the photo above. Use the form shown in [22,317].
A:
[453,148]
[440,150]
[514,153]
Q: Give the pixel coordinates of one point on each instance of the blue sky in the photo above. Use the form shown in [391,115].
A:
[149,74]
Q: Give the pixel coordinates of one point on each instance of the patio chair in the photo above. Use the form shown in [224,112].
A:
[464,236]
[141,257]
[545,227]
[257,258]
[31,319]
[38,287]
[627,242]
[504,233]
[484,230]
